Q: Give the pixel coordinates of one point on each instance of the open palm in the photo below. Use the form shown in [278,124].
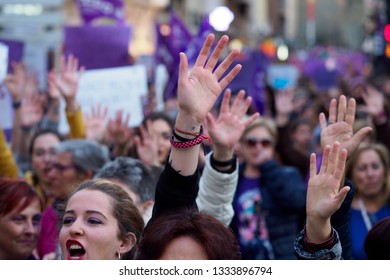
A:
[340,125]
[198,91]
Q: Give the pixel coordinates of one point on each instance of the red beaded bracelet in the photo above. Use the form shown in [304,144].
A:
[188,143]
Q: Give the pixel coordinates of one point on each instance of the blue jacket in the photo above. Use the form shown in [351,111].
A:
[283,201]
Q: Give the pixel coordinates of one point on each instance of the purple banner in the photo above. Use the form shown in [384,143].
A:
[252,76]
[100,47]
[101,11]
[15,51]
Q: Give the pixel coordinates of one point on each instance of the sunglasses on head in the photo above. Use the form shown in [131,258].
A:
[252,142]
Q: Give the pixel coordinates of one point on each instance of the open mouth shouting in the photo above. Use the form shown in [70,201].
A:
[75,251]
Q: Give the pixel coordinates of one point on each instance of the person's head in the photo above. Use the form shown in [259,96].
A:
[162,125]
[258,141]
[377,241]
[188,234]
[20,215]
[99,221]
[75,161]
[135,178]
[41,152]
[302,133]
[368,169]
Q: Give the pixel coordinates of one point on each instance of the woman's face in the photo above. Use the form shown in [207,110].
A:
[19,231]
[163,132]
[257,146]
[368,173]
[42,153]
[184,248]
[90,231]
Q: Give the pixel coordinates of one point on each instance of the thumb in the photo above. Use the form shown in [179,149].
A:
[342,194]
[361,134]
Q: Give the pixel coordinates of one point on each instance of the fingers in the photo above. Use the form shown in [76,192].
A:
[313,165]
[226,101]
[224,66]
[342,159]
[230,76]
[360,135]
[325,159]
[216,54]
[204,52]
[342,194]
[251,119]
[333,158]
[322,120]
[342,109]
[332,111]
[183,69]
[238,103]
[350,117]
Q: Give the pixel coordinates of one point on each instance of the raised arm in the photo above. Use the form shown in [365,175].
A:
[196,95]
[220,174]
[340,125]
[323,195]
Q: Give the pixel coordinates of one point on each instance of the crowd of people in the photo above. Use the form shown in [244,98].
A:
[308,179]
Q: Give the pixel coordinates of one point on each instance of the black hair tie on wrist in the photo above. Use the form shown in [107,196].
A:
[218,163]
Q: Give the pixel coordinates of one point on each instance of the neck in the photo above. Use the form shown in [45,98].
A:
[372,203]
[252,171]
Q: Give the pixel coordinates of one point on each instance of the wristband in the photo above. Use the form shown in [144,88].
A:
[186,143]
[16,104]
[218,163]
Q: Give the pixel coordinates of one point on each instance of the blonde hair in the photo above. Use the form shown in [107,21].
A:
[267,123]
[383,154]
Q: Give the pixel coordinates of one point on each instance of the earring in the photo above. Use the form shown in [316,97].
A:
[119,255]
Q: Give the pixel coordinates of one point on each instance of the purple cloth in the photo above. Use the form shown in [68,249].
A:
[15,51]
[100,47]
[48,238]
[94,10]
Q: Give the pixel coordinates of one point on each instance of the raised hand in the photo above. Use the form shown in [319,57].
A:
[198,91]
[118,132]
[95,123]
[324,196]
[31,110]
[68,80]
[226,131]
[340,125]
[52,88]
[16,82]
[147,145]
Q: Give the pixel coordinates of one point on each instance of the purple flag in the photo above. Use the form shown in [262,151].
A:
[15,51]
[100,47]
[95,11]
[252,76]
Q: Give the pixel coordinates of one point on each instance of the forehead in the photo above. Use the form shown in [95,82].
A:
[64,158]
[258,131]
[368,156]
[87,200]
[46,140]
[161,125]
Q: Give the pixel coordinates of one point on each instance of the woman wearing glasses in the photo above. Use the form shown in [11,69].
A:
[269,197]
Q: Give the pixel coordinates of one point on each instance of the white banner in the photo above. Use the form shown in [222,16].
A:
[119,88]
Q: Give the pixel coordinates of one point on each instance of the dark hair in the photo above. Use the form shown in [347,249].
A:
[123,209]
[133,173]
[153,116]
[218,241]
[377,242]
[39,133]
[12,192]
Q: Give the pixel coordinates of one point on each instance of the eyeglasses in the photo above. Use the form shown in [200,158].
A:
[252,142]
[61,167]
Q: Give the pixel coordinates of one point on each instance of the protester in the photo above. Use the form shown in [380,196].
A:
[20,215]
